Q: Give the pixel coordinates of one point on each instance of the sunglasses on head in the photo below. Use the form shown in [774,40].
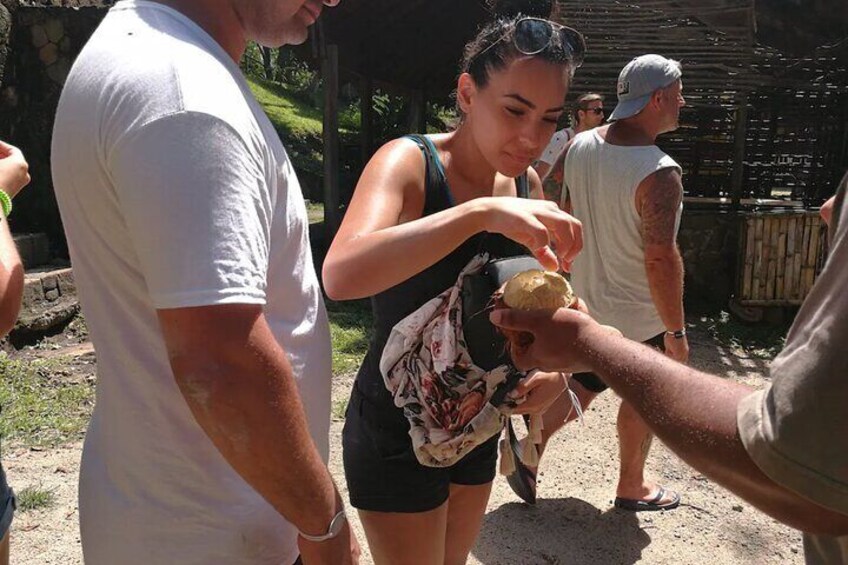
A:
[531,36]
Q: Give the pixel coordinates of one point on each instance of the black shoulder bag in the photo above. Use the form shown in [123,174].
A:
[486,345]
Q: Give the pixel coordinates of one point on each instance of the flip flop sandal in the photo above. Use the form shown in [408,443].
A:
[649,505]
[522,481]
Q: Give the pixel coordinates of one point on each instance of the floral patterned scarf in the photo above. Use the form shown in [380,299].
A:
[451,404]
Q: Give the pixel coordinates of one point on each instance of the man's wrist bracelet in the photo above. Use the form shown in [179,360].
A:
[333,529]
[677,334]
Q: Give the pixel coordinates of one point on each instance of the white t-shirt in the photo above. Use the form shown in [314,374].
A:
[609,273]
[556,146]
[175,191]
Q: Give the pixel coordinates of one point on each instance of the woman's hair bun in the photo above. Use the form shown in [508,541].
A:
[533,8]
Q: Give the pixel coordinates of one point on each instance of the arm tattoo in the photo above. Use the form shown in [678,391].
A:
[660,205]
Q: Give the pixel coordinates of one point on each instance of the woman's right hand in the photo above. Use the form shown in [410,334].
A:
[535,224]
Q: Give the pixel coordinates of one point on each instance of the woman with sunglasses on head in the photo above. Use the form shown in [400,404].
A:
[420,212]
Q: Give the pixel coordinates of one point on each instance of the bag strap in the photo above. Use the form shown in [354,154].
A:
[522,190]
[522,186]
[435,171]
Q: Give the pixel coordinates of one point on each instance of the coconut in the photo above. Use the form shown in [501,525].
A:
[538,290]
[533,290]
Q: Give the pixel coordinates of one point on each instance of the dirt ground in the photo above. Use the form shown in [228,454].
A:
[573,523]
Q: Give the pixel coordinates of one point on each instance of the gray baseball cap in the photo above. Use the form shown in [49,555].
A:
[640,78]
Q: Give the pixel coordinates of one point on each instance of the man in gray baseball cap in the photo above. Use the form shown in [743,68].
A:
[628,194]
[639,80]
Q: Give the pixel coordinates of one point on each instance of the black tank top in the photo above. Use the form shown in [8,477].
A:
[396,303]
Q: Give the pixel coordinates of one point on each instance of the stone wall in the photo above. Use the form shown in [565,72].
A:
[709,245]
[42,46]
[6,15]
[49,301]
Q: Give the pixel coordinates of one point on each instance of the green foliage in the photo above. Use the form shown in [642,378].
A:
[293,100]
[296,74]
[251,61]
[391,116]
[441,118]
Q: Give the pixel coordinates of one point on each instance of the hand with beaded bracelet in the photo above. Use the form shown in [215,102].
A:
[14,175]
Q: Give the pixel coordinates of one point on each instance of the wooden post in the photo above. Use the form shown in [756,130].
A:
[330,74]
[737,178]
[366,116]
[418,112]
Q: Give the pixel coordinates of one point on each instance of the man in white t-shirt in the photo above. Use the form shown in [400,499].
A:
[189,240]
[588,113]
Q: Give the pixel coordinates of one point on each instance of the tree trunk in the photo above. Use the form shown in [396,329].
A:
[266,62]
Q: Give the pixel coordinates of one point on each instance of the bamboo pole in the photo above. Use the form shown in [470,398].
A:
[758,258]
[798,262]
[764,264]
[748,255]
[771,279]
[789,269]
[781,258]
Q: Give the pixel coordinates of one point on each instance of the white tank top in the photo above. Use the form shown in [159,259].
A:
[609,274]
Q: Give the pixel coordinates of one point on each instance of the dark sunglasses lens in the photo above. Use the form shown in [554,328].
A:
[574,45]
[532,36]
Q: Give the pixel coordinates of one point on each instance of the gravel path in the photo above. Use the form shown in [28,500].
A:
[574,522]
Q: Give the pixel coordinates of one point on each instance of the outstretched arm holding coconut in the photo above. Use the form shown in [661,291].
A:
[781,448]
[693,413]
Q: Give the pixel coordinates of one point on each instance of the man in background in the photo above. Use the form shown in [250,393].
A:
[588,113]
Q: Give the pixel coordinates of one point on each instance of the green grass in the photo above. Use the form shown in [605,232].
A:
[758,340]
[288,113]
[46,403]
[291,113]
[34,498]
[42,404]
[350,328]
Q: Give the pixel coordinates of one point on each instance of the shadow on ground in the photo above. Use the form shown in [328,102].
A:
[565,531]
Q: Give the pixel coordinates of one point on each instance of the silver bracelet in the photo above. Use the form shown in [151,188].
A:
[679,334]
[333,529]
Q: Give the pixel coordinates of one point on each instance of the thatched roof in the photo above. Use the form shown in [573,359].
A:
[418,43]
[713,39]
[796,105]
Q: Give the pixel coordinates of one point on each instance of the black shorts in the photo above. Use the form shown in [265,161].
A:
[7,504]
[382,472]
[592,382]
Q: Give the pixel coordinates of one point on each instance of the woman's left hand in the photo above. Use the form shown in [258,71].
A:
[541,390]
